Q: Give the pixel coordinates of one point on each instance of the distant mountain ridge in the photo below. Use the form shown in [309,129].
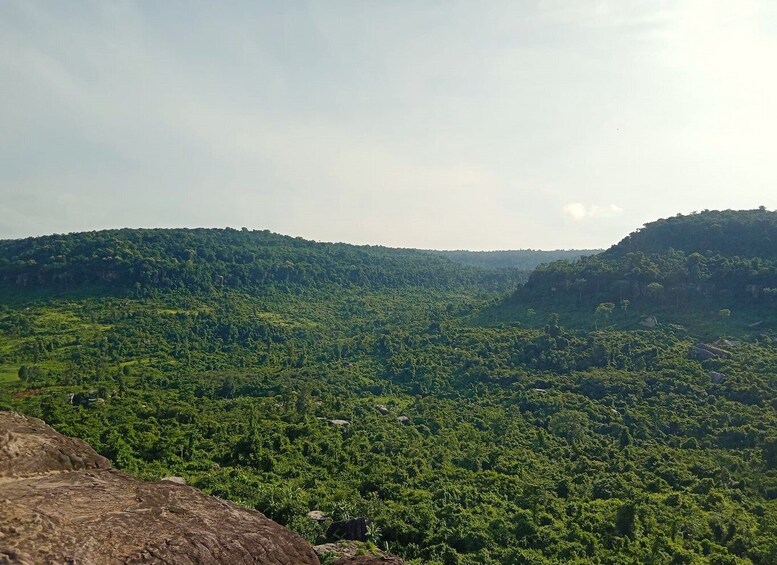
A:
[207,259]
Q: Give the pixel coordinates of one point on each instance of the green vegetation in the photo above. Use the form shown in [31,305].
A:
[149,261]
[522,259]
[688,269]
[481,428]
[9,373]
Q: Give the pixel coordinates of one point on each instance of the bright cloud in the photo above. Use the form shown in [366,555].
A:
[577,211]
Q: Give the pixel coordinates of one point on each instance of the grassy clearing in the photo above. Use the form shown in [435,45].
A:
[56,321]
[7,345]
[9,373]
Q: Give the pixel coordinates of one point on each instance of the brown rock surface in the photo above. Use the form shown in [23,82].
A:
[61,503]
[29,447]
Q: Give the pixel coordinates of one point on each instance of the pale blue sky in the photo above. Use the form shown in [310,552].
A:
[478,125]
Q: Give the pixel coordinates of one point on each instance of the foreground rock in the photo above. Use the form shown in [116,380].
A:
[60,502]
[29,447]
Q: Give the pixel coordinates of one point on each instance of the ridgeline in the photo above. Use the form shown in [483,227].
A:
[206,259]
[685,269]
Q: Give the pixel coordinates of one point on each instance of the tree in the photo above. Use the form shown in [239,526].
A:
[569,424]
[552,328]
[725,314]
[228,388]
[625,520]
[654,290]
[304,401]
[770,453]
[603,312]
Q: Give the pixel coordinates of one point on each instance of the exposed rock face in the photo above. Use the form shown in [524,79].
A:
[60,502]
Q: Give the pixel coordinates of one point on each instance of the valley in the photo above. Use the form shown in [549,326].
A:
[474,415]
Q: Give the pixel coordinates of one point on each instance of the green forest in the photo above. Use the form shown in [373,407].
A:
[521,259]
[619,408]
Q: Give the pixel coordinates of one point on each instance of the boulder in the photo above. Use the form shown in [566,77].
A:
[63,503]
[700,354]
[368,560]
[354,529]
[351,552]
[382,409]
[649,322]
[403,419]
[716,350]
[716,377]
[340,423]
[317,515]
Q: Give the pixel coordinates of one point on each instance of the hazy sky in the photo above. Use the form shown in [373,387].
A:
[478,125]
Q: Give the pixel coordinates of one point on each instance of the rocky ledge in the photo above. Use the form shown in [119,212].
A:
[60,502]
[347,552]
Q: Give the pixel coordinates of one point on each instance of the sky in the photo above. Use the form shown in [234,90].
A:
[438,124]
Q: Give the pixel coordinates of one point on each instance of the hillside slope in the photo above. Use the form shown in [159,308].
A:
[730,233]
[141,260]
[711,259]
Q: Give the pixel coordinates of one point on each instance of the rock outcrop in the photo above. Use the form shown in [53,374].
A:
[704,351]
[60,502]
[354,529]
[650,322]
[355,553]
[716,377]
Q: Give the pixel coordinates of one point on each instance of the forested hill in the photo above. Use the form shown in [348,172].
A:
[521,259]
[742,233]
[204,259]
[724,257]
